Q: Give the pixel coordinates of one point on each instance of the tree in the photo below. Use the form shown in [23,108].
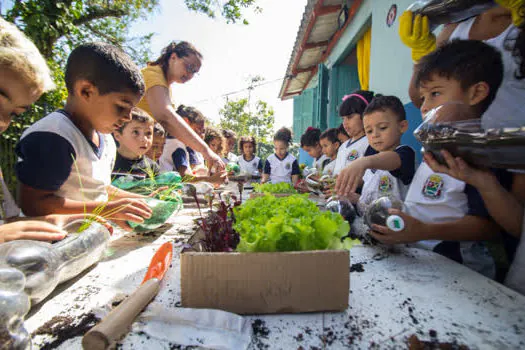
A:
[230,10]
[235,115]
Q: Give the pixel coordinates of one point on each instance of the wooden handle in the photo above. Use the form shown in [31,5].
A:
[117,323]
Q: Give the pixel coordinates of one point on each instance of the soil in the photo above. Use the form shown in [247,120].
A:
[357,267]
[260,331]
[62,328]
[414,343]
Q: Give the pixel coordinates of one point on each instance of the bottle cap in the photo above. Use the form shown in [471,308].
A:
[395,223]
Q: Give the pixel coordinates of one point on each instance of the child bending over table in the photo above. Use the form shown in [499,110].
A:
[281,166]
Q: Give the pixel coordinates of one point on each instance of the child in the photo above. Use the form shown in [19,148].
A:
[178,157]
[330,145]
[157,146]
[281,166]
[248,161]
[215,140]
[351,110]
[66,158]
[390,167]
[24,76]
[310,144]
[135,139]
[342,135]
[442,211]
[231,140]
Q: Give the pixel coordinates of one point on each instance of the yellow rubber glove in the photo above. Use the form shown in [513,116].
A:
[517,9]
[415,33]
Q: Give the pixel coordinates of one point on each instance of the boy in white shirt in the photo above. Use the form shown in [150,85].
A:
[330,145]
[449,215]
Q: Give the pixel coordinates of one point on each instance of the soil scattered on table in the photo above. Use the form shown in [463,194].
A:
[63,328]
[260,331]
[357,267]
[414,343]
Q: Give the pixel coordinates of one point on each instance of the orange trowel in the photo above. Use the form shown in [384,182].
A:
[117,323]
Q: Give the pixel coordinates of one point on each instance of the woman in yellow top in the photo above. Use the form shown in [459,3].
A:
[177,63]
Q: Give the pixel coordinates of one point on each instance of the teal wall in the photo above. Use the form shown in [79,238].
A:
[343,80]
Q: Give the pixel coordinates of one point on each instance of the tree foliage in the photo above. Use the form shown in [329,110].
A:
[231,10]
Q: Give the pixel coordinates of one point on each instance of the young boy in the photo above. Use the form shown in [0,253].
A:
[66,158]
[135,139]
[231,140]
[157,146]
[390,167]
[330,145]
[342,135]
[443,211]
[310,144]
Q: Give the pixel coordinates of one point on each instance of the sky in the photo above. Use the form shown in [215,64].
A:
[232,53]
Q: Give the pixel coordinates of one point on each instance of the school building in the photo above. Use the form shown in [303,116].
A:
[342,46]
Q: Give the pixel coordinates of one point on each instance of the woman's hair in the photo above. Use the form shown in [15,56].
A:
[22,57]
[341,130]
[310,138]
[193,115]
[283,134]
[181,49]
[212,133]
[355,102]
[247,139]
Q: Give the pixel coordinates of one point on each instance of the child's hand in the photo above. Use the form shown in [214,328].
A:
[31,229]
[159,190]
[515,7]
[412,232]
[127,209]
[415,33]
[459,169]
[350,177]
[218,178]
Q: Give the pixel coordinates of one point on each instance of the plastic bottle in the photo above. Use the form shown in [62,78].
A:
[377,213]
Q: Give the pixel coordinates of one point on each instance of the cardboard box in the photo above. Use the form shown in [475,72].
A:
[266,283]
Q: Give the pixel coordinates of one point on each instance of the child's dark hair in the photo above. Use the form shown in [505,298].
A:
[247,139]
[193,115]
[158,130]
[212,133]
[384,103]
[515,43]
[138,115]
[466,61]
[283,134]
[229,134]
[341,130]
[355,102]
[181,49]
[330,135]
[105,66]
[310,138]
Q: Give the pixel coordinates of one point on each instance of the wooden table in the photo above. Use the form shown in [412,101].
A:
[393,295]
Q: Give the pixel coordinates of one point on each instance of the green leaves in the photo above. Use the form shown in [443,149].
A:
[231,10]
[294,223]
[281,187]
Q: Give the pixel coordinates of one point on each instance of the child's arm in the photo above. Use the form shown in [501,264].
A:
[295,172]
[31,229]
[504,207]
[351,177]
[217,178]
[468,228]
[266,172]
[34,202]
[260,166]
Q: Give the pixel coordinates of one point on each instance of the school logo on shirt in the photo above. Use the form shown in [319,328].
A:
[354,154]
[254,165]
[385,185]
[433,187]
[287,166]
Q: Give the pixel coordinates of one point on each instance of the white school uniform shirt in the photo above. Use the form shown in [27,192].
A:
[165,160]
[329,168]
[248,167]
[318,163]
[90,175]
[350,151]
[516,276]
[281,170]
[435,198]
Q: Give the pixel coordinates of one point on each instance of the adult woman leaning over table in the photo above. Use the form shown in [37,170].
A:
[499,27]
[178,63]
